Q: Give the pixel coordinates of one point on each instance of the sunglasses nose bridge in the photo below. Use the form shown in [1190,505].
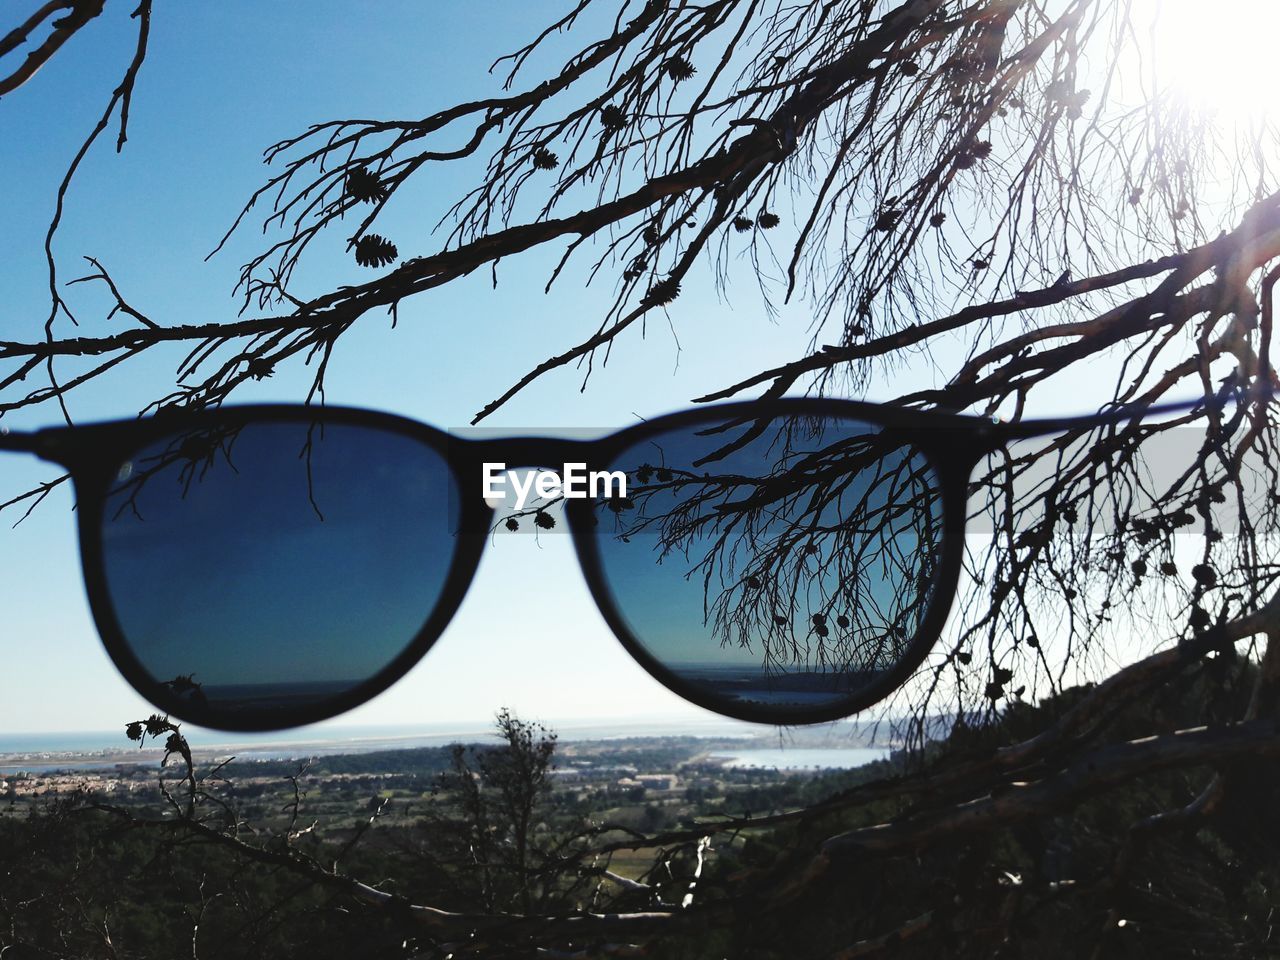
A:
[530,453]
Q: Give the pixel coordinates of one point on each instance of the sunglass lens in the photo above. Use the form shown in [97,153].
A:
[260,573]
[777,570]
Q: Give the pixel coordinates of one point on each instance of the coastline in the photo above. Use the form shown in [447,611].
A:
[722,740]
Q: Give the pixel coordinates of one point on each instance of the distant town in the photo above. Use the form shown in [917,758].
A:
[644,783]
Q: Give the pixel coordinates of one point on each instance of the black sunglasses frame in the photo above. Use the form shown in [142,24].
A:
[953,445]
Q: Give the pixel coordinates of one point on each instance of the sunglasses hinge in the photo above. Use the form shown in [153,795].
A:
[22,442]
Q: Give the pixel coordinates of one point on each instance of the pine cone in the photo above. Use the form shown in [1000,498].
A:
[544,159]
[612,117]
[364,186]
[661,293]
[375,251]
[678,68]
[887,220]
[742,224]
[768,220]
[260,368]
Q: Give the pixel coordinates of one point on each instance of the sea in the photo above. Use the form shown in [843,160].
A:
[88,750]
[802,758]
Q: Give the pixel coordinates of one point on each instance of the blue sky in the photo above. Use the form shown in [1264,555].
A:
[222,82]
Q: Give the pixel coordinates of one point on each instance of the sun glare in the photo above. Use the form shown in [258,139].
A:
[1220,55]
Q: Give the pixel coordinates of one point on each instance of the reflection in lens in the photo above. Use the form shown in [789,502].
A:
[777,566]
[272,566]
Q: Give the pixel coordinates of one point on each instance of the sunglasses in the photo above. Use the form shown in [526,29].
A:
[785,562]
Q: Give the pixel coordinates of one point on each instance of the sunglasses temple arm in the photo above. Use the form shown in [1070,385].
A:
[1038,428]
